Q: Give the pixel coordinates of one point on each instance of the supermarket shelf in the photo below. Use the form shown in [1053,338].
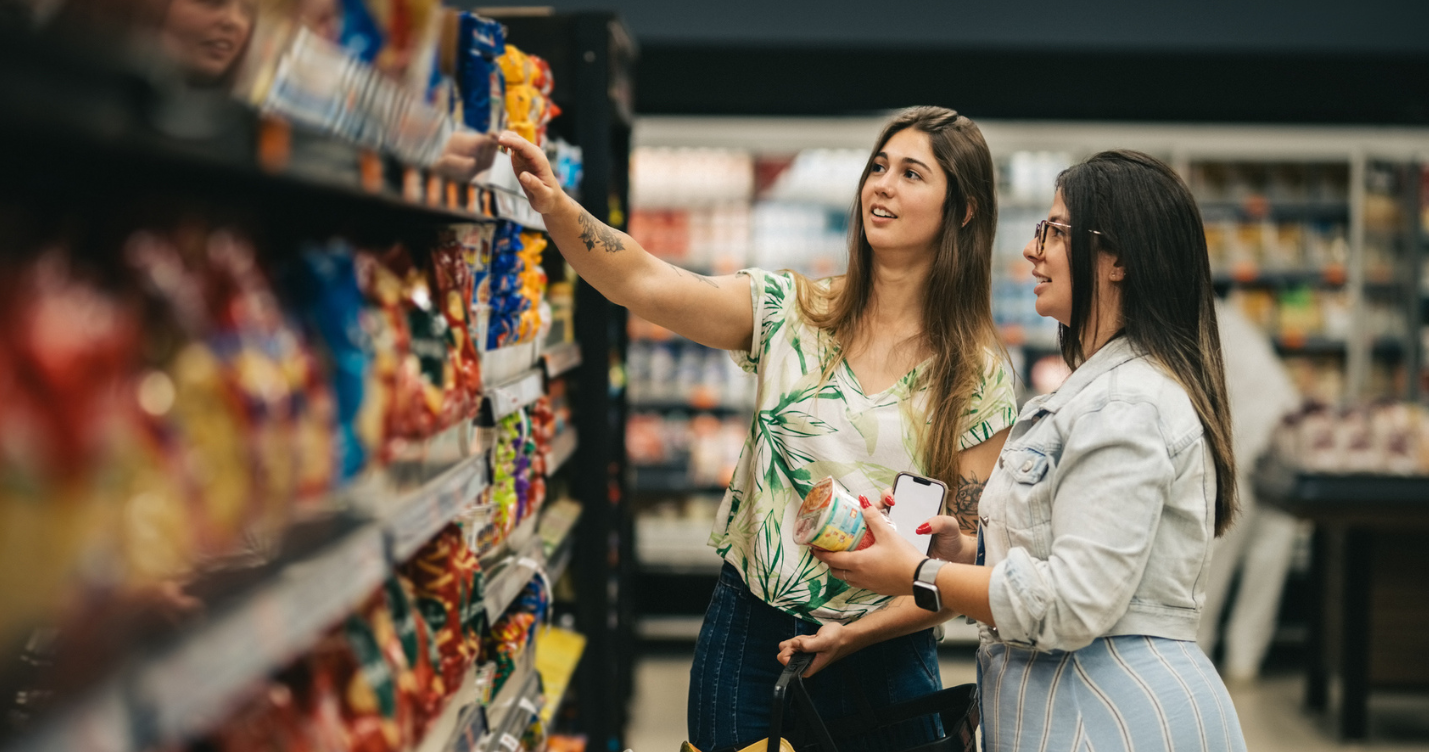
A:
[63,110]
[1261,278]
[430,508]
[501,401]
[655,480]
[506,363]
[563,447]
[1334,210]
[558,652]
[682,568]
[514,706]
[558,522]
[683,628]
[463,717]
[1384,347]
[561,359]
[513,571]
[195,684]
[660,406]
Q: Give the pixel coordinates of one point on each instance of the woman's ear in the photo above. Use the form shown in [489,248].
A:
[969,216]
[1118,271]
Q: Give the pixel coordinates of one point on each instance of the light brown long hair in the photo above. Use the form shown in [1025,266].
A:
[1148,219]
[957,304]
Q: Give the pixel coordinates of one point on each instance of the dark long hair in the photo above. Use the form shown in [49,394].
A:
[1147,219]
[957,312]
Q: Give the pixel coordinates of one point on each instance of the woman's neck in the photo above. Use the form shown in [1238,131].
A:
[1095,334]
[900,285]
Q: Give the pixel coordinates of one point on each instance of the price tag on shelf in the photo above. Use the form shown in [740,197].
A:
[370,169]
[412,185]
[561,359]
[513,395]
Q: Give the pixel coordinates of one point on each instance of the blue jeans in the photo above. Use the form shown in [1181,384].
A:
[736,665]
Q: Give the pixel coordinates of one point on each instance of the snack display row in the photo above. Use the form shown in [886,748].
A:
[178,404]
[1385,438]
[398,76]
[379,680]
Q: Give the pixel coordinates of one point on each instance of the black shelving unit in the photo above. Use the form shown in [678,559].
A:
[591,56]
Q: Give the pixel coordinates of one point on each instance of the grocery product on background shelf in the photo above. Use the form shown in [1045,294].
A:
[1385,438]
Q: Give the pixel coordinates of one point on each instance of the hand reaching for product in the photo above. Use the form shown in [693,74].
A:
[466,153]
[534,172]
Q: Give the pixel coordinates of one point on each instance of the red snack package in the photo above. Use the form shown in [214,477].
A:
[439,594]
[271,722]
[420,649]
[454,283]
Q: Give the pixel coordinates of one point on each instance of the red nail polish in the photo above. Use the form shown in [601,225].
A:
[924,529]
[889,501]
[863,502]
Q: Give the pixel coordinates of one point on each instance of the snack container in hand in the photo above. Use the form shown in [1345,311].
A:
[831,519]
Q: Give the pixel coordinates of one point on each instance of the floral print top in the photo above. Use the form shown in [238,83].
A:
[806,428]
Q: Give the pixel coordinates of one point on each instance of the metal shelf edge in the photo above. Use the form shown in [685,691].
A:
[433,506]
[561,359]
[520,566]
[563,447]
[194,684]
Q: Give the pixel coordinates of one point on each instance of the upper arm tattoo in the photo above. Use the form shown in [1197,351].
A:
[594,233]
[688,273]
[965,499]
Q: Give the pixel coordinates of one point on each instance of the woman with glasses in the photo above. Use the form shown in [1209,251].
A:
[1088,571]
[893,366]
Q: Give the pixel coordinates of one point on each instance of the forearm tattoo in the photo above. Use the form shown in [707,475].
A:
[688,273]
[965,499]
[594,234]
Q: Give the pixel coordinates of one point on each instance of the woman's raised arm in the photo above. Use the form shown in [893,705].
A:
[714,311]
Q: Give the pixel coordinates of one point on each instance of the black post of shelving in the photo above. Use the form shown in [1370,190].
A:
[590,55]
[1414,303]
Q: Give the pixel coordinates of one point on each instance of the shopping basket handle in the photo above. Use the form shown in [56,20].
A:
[793,675]
[798,664]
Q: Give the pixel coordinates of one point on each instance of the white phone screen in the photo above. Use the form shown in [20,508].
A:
[918,500]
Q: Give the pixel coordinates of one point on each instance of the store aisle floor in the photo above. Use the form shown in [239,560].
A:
[1270,711]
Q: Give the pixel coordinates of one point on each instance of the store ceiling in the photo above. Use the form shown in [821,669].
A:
[1378,26]
[1273,61]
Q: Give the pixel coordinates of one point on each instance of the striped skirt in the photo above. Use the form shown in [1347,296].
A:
[1119,694]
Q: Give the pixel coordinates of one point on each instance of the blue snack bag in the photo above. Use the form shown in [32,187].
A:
[323,287]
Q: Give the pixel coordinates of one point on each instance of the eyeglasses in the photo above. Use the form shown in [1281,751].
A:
[1044,226]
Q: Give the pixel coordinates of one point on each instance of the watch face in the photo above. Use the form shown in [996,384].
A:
[927,597]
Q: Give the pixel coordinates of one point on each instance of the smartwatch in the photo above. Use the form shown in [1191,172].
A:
[925,585]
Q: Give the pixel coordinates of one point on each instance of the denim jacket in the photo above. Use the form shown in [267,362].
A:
[1099,517]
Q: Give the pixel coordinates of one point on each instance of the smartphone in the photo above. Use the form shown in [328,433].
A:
[918,500]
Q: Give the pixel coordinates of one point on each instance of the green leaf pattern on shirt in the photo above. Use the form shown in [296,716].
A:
[806,428]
